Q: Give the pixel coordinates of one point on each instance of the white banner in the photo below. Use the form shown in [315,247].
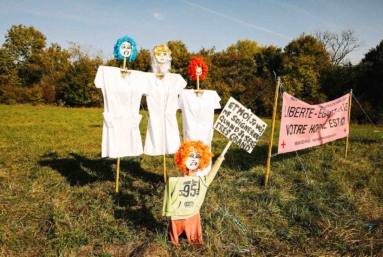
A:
[240,125]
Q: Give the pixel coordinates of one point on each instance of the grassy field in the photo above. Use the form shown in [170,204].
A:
[58,195]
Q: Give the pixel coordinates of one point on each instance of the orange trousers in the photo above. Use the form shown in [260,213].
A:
[191,226]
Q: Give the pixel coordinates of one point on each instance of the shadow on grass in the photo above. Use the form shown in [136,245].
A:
[139,198]
[132,168]
[139,214]
[239,159]
[365,140]
[132,205]
[79,170]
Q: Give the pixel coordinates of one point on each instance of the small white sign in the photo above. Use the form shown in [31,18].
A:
[240,125]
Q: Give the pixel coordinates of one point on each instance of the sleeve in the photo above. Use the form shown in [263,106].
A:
[216,104]
[145,83]
[99,79]
[167,202]
[181,104]
[181,82]
[210,176]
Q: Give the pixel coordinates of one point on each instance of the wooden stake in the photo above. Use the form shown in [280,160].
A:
[123,74]
[272,131]
[117,173]
[164,169]
[198,93]
[349,121]
[124,66]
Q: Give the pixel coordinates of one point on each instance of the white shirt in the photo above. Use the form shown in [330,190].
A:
[162,136]
[122,97]
[198,117]
[198,114]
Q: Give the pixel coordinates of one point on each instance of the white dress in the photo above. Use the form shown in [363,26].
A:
[162,136]
[198,117]
[122,97]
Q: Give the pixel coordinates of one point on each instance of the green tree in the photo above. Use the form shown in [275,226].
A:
[25,46]
[142,62]
[234,71]
[268,60]
[54,64]
[79,89]
[9,80]
[180,57]
[369,88]
[304,61]
[246,48]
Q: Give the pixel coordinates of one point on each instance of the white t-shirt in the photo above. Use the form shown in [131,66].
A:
[198,117]
[122,97]
[162,136]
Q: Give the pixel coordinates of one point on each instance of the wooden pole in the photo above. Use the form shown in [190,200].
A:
[117,174]
[124,67]
[272,131]
[164,169]
[123,74]
[349,121]
[198,86]
[220,159]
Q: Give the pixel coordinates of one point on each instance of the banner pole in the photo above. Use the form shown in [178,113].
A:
[349,121]
[272,131]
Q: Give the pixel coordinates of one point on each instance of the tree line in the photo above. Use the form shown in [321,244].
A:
[313,68]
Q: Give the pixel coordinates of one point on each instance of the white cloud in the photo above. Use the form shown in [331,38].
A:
[158,16]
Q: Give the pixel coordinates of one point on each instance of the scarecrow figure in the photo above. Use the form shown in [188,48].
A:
[184,196]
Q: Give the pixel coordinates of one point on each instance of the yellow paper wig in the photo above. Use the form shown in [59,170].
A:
[161,67]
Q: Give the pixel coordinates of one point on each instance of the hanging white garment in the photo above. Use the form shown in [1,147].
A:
[162,136]
[198,118]
[122,97]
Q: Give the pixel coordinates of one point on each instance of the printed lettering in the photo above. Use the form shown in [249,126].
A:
[295,129]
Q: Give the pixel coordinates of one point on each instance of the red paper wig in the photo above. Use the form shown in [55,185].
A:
[184,152]
[197,62]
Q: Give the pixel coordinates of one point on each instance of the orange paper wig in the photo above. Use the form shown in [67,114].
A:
[184,152]
[197,62]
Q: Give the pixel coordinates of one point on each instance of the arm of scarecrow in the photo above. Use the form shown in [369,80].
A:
[217,165]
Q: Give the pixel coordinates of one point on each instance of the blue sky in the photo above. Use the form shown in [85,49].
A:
[196,23]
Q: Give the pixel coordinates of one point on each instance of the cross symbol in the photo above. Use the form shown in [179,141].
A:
[283,144]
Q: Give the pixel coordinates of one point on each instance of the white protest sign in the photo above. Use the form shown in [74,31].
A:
[240,125]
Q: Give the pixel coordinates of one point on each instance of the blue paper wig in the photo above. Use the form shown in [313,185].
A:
[117,46]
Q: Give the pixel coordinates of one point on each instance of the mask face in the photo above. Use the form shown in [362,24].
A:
[193,160]
[199,71]
[126,49]
[162,57]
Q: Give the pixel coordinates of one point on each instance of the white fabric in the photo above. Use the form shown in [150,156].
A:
[198,117]
[162,136]
[122,97]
